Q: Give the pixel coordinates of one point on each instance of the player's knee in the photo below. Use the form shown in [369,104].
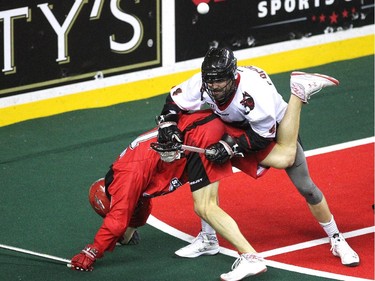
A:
[314,198]
[286,160]
[200,210]
[312,194]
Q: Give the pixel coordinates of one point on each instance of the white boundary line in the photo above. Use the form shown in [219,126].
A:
[153,221]
[334,147]
[340,146]
[313,243]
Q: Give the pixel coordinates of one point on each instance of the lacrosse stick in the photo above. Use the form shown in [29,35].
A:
[168,147]
[66,261]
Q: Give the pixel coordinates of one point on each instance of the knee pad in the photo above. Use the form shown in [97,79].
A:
[312,193]
[299,174]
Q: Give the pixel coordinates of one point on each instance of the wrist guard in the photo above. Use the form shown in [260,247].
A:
[168,130]
[170,117]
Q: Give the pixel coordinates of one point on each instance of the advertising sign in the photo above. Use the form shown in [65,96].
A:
[48,43]
[241,24]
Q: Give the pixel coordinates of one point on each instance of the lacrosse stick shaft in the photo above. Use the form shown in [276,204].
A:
[167,147]
[196,149]
[193,148]
[35,254]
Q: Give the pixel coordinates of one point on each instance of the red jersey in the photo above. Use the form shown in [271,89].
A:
[139,172]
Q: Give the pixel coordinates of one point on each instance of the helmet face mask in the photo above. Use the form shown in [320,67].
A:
[219,66]
[220,91]
[168,151]
[170,156]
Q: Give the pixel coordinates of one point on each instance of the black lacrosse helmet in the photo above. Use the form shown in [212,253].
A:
[219,64]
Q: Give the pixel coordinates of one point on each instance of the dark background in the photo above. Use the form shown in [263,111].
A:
[236,23]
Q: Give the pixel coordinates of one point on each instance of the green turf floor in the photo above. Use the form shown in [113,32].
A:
[47,165]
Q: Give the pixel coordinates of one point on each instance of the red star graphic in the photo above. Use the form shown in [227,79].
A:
[322,18]
[345,13]
[333,17]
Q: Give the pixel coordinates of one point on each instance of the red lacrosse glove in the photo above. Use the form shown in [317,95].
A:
[85,259]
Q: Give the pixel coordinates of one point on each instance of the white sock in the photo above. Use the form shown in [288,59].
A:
[330,227]
[206,228]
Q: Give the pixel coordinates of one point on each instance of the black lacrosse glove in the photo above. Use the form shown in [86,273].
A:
[168,130]
[224,150]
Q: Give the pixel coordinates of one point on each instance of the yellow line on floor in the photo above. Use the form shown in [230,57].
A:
[274,63]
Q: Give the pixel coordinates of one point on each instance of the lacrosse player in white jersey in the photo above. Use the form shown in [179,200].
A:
[246,98]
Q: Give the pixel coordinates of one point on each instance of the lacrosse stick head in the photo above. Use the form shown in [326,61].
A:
[98,198]
[168,151]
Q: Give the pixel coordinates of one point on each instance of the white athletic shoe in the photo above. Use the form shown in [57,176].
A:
[203,244]
[246,265]
[304,85]
[340,248]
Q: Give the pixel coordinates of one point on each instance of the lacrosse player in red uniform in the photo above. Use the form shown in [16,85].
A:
[140,173]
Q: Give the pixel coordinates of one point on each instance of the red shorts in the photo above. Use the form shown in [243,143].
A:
[250,163]
[200,170]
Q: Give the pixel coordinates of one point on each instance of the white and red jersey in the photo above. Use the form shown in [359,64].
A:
[256,100]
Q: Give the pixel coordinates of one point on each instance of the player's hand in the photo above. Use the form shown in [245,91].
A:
[219,152]
[224,150]
[136,238]
[85,259]
[168,132]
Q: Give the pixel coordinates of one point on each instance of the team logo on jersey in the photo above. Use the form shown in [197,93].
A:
[177,92]
[247,102]
[175,183]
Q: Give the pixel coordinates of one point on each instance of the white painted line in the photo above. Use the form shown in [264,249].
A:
[169,229]
[316,242]
[340,146]
[313,272]
[332,148]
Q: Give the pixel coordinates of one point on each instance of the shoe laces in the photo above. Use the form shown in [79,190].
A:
[199,237]
[339,243]
[205,238]
[248,257]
